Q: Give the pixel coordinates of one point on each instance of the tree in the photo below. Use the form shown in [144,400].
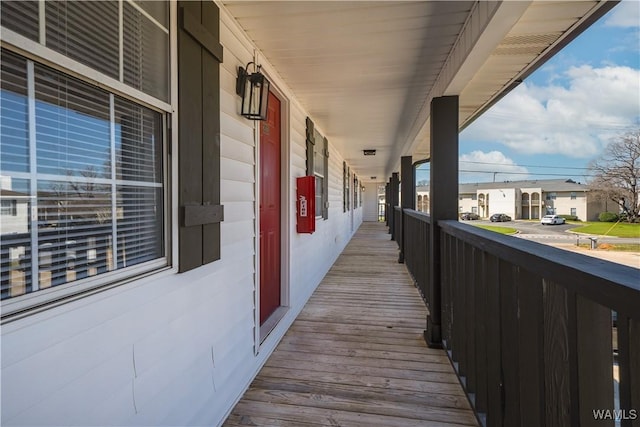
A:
[616,174]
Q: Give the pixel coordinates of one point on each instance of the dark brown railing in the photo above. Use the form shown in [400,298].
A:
[396,234]
[416,240]
[538,336]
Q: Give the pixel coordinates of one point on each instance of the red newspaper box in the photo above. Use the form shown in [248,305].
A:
[306,204]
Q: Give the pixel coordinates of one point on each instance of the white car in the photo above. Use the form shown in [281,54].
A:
[552,219]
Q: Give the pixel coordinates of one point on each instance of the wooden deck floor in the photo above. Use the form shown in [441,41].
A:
[355,355]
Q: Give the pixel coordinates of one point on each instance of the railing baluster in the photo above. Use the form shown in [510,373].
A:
[629,370]
[447,292]
[634,370]
[495,389]
[469,283]
[510,349]
[480,302]
[460,309]
[530,342]
[595,361]
[556,355]
[457,330]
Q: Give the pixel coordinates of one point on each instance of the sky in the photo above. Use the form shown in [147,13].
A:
[565,113]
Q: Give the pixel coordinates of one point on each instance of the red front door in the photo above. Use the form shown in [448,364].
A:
[270,210]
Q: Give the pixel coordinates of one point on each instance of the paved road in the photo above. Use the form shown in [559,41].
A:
[560,237]
[558,233]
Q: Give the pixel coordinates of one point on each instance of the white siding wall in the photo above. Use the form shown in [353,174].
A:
[175,349]
[503,201]
[564,203]
[18,223]
[466,203]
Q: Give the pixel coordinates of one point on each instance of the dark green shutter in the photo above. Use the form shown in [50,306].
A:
[345,194]
[325,182]
[199,58]
[310,143]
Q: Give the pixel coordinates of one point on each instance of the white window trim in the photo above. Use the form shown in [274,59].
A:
[44,297]
[49,57]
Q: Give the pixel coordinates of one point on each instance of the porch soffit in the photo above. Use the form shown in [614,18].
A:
[366,70]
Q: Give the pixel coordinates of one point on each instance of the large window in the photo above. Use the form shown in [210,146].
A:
[319,172]
[84,165]
[90,166]
[9,207]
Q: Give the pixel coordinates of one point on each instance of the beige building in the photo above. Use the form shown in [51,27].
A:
[530,199]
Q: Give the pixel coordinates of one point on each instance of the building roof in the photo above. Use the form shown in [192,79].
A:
[546,185]
[12,194]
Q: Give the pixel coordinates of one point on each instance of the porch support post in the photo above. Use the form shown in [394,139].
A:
[408,190]
[387,198]
[444,200]
[395,201]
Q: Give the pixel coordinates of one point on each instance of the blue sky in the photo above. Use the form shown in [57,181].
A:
[564,114]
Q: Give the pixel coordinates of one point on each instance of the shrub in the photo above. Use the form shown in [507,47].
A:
[570,217]
[608,217]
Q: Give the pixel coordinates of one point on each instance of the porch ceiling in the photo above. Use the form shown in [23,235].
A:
[367,71]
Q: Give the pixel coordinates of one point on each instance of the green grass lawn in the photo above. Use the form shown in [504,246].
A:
[501,230]
[621,229]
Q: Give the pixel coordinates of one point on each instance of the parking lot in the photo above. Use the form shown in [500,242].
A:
[559,236]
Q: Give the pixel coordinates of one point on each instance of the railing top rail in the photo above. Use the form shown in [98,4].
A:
[613,285]
[418,215]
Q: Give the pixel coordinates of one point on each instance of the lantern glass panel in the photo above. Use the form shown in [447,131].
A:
[264,87]
[246,103]
[255,97]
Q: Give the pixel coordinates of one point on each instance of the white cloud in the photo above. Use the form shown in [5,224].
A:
[626,14]
[487,166]
[577,120]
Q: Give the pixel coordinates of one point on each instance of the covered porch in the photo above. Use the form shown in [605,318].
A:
[534,336]
[356,355]
[517,333]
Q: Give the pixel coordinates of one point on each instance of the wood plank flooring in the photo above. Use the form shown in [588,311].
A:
[355,355]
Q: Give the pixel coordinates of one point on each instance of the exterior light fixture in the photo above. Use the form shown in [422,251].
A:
[369,152]
[254,90]
[374,177]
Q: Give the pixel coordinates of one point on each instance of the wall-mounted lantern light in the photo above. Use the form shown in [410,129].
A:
[254,90]
[369,152]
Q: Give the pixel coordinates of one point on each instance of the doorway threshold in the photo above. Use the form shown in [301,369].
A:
[271,322]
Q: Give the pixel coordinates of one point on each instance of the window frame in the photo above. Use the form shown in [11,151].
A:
[12,207]
[317,143]
[37,53]
[356,191]
[346,187]
[318,171]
